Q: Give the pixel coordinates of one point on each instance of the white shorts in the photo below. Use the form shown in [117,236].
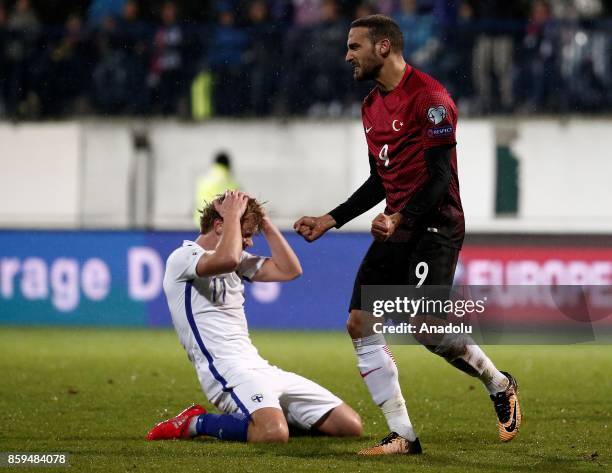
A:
[302,401]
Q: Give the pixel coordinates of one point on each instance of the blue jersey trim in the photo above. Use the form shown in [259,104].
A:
[211,365]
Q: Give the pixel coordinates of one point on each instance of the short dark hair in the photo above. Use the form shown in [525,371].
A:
[382,27]
[253,210]
[222,157]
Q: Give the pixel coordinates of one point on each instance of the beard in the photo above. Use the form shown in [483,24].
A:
[366,71]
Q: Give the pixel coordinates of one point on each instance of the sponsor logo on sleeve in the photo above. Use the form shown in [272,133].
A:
[440,131]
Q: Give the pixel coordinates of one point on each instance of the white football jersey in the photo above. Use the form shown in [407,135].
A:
[208,314]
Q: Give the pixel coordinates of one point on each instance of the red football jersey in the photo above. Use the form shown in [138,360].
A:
[400,125]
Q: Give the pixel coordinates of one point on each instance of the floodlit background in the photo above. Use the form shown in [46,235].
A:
[111,115]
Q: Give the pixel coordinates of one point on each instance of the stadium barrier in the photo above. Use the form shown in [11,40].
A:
[516,175]
[115,278]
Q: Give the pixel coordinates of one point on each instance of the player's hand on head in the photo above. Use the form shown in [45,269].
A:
[266,222]
[234,204]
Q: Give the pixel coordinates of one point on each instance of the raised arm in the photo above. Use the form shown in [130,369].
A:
[284,264]
[226,256]
[363,199]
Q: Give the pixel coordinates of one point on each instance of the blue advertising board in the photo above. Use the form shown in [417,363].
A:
[115,278]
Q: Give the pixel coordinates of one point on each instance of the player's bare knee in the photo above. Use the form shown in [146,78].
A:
[342,421]
[353,426]
[274,432]
[268,429]
[354,324]
[268,425]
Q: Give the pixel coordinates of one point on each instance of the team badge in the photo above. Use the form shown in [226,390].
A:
[436,115]
[257,397]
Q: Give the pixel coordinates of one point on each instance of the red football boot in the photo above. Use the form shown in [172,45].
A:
[177,427]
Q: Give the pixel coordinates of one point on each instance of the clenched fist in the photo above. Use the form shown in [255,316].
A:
[312,228]
[383,226]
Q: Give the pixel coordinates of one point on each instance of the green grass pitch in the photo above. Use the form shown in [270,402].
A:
[95,393]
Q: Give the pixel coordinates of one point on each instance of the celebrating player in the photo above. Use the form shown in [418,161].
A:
[409,121]
[205,291]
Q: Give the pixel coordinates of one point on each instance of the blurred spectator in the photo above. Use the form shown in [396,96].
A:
[21,51]
[387,7]
[136,34]
[24,18]
[294,94]
[167,79]
[539,79]
[262,58]
[573,9]
[327,48]
[307,12]
[454,64]
[419,43]
[493,54]
[281,12]
[136,39]
[446,14]
[69,71]
[99,10]
[365,8]
[215,181]
[227,57]
[585,66]
[111,91]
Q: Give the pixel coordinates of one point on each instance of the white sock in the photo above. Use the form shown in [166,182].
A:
[397,417]
[491,377]
[377,367]
[463,353]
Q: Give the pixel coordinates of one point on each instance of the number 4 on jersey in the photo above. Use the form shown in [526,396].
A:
[384,155]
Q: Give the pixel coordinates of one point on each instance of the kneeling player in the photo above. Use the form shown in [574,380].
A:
[205,291]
